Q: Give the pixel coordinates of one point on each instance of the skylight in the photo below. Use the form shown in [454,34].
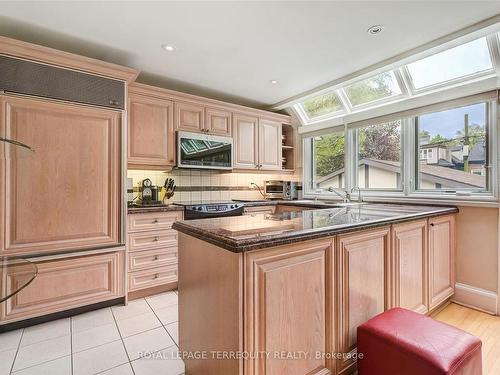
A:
[381,86]
[470,63]
[321,105]
[461,61]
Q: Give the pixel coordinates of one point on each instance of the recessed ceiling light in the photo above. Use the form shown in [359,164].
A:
[273,81]
[375,29]
[168,47]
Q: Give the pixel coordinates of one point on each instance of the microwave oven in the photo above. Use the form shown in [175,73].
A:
[204,151]
[278,189]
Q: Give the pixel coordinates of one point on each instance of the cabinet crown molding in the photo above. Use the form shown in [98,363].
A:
[143,89]
[18,49]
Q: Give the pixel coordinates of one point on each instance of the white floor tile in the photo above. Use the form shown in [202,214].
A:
[168,314]
[10,340]
[46,331]
[125,369]
[138,324]
[160,301]
[42,351]
[91,319]
[99,359]
[60,366]
[93,337]
[134,308]
[147,342]
[167,364]
[173,330]
[6,359]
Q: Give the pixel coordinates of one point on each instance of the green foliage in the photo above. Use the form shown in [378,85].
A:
[329,150]
[438,138]
[321,105]
[367,91]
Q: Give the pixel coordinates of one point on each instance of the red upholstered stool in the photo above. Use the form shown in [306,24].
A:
[401,342]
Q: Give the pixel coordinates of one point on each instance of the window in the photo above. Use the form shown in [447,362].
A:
[379,156]
[462,61]
[381,86]
[327,163]
[458,140]
[322,105]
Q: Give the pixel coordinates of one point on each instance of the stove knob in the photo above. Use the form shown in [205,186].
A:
[200,208]
[232,206]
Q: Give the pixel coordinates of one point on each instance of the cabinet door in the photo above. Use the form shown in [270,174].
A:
[288,308]
[151,141]
[62,284]
[245,131]
[269,145]
[363,270]
[66,194]
[441,259]
[218,121]
[189,117]
[409,256]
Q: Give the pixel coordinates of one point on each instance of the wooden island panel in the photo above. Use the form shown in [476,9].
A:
[288,308]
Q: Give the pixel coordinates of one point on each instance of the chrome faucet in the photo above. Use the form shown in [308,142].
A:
[359,193]
[346,197]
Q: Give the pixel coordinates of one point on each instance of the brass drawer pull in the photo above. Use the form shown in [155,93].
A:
[156,276]
[156,257]
[156,239]
[155,221]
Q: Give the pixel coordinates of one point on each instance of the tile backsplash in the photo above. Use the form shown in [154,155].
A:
[209,186]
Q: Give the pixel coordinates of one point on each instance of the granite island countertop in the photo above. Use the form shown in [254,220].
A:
[257,231]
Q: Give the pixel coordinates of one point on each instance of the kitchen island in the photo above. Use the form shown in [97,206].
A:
[283,293]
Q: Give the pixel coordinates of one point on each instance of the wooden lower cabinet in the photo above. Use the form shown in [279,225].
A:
[288,308]
[62,284]
[410,262]
[441,259]
[307,297]
[152,252]
[363,286]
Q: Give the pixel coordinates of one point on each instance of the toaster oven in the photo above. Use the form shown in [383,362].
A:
[278,189]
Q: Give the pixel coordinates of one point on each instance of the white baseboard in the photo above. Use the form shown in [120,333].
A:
[476,298]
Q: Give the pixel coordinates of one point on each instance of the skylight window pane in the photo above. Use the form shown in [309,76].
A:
[461,61]
[322,105]
[383,85]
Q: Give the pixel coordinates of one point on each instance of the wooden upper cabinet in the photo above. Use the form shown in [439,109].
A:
[269,145]
[189,117]
[151,138]
[363,279]
[441,259]
[410,260]
[66,194]
[288,308]
[218,121]
[245,141]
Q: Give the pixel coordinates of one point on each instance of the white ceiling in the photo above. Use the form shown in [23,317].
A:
[230,50]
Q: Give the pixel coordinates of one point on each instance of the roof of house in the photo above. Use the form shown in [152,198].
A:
[433,173]
[478,152]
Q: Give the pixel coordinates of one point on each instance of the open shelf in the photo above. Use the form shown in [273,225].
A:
[287,148]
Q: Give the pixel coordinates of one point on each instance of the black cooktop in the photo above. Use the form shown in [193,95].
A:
[201,203]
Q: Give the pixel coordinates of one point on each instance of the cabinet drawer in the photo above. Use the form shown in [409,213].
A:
[152,239]
[64,284]
[152,258]
[260,210]
[152,277]
[152,220]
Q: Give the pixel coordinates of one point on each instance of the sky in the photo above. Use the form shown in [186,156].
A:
[446,123]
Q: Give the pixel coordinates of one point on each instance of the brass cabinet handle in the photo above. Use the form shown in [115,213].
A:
[155,221]
[156,239]
[156,257]
[157,276]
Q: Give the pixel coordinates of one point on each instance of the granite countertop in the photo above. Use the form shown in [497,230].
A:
[145,209]
[250,232]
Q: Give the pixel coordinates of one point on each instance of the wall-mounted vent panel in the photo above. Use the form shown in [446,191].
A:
[26,77]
